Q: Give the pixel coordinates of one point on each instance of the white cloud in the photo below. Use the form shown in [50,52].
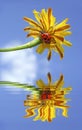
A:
[19,66]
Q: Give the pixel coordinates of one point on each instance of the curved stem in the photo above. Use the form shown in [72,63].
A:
[33,43]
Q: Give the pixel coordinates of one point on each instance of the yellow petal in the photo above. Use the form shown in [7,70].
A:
[49,78]
[38,117]
[40,48]
[59,83]
[67,43]
[65,112]
[49,114]
[61,23]
[30,112]
[53,112]
[60,47]
[44,113]
[62,28]
[33,34]
[44,19]
[43,25]
[51,31]
[49,55]
[31,29]
[66,90]
[63,33]
[32,22]
[60,50]
[49,16]
[40,83]
[59,37]
[37,15]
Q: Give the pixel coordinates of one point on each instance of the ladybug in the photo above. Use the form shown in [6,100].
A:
[46,37]
[46,95]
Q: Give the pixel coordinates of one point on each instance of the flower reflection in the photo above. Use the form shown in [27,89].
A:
[44,99]
[50,97]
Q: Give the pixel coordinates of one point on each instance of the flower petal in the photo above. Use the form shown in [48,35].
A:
[33,34]
[58,84]
[67,43]
[60,50]
[49,16]
[65,112]
[40,48]
[37,15]
[40,83]
[32,22]
[38,117]
[30,112]
[63,23]
[66,90]
[31,29]
[49,54]
[63,33]
[59,37]
[44,19]
[49,78]
[43,25]
[65,27]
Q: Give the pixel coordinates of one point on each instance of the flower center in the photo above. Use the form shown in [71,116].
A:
[46,37]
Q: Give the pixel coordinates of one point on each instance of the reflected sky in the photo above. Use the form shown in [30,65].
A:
[12,107]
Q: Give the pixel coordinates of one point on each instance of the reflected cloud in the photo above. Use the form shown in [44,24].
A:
[44,99]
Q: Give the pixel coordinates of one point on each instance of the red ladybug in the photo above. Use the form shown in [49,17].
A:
[46,37]
[46,95]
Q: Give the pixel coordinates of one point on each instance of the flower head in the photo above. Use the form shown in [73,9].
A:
[52,34]
[48,98]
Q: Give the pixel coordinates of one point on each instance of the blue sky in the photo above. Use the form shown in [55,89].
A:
[20,67]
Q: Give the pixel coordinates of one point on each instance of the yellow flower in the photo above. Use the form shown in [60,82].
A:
[50,97]
[52,34]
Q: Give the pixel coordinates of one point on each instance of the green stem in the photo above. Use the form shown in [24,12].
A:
[25,46]
[19,85]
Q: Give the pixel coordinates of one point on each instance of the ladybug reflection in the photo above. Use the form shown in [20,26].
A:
[47,94]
